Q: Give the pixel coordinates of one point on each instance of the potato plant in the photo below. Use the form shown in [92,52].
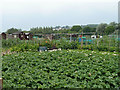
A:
[61,69]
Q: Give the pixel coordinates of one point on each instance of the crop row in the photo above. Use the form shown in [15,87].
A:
[57,69]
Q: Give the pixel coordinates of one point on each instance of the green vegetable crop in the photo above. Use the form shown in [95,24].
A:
[57,69]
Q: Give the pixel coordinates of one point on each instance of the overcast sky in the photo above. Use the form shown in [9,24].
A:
[25,14]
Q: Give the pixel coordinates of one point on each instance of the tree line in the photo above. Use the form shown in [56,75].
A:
[101,29]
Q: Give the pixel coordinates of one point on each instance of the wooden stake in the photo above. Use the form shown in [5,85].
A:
[109,43]
[1,83]
[86,40]
[97,42]
[70,37]
[81,42]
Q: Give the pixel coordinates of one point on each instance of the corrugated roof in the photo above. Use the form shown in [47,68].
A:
[18,32]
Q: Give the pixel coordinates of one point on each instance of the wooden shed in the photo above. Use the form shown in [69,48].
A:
[3,35]
[28,36]
[18,34]
[9,36]
[22,35]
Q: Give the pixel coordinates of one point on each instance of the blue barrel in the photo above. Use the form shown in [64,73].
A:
[79,39]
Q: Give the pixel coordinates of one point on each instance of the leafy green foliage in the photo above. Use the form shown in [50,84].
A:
[57,69]
[66,44]
[104,44]
[109,30]
[12,30]
[101,28]
[76,28]
[45,30]
[25,47]
[89,29]
[10,42]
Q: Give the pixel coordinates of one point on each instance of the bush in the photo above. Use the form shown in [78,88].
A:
[33,45]
[25,47]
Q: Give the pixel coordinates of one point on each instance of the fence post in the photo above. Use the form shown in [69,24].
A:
[81,42]
[70,37]
[1,83]
[109,43]
[86,40]
[98,42]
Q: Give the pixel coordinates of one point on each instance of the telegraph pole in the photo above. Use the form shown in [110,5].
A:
[119,12]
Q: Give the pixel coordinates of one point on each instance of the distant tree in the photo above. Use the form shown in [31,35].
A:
[109,30]
[76,28]
[26,31]
[39,30]
[101,28]
[114,24]
[89,29]
[93,29]
[118,26]
[86,29]
[92,25]
[13,30]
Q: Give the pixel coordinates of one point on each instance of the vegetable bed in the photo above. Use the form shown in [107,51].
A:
[57,69]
